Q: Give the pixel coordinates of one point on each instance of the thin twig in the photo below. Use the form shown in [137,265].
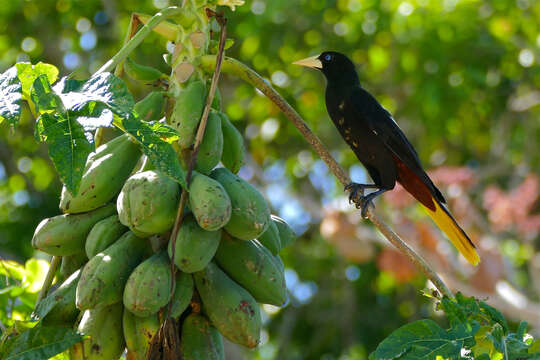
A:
[198,139]
[55,261]
[239,69]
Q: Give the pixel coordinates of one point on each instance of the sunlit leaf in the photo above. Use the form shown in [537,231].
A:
[36,271]
[12,269]
[421,340]
[153,139]
[95,100]
[68,144]
[40,343]
[44,98]
[10,96]
[28,73]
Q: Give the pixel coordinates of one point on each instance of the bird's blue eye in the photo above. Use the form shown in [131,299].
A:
[327,57]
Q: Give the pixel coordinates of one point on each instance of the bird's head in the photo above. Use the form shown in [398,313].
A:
[336,67]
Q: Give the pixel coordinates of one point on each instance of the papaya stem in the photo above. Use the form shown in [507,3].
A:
[55,261]
[249,75]
[198,139]
[138,38]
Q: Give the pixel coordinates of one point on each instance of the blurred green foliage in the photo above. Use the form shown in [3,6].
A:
[460,76]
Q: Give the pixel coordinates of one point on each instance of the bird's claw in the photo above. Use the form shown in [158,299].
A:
[365,202]
[356,192]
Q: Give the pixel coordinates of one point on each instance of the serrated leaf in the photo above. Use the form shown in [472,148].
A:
[44,98]
[160,152]
[165,132]
[422,340]
[516,347]
[28,73]
[494,314]
[10,96]
[95,100]
[40,343]
[68,144]
[484,345]
[455,313]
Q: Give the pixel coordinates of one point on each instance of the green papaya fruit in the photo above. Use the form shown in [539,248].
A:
[195,247]
[147,165]
[104,276]
[103,234]
[148,203]
[187,112]
[105,335]
[142,72]
[250,215]
[253,267]
[70,264]
[270,239]
[233,145]
[209,202]
[151,107]
[183,292]
[148,287]
[105,172]
[200,340]
[211,146]
[280,262]
[230,308]
[65,235]
[138,332]
[63,310]
[286,233]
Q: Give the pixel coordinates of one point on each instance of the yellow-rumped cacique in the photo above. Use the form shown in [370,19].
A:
[381,146]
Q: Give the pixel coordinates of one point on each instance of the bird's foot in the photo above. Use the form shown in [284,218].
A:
[356,191]
[360,200]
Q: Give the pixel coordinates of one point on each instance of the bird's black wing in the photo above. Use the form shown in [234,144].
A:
[382,124]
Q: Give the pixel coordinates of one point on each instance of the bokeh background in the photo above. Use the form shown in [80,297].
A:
[461,78]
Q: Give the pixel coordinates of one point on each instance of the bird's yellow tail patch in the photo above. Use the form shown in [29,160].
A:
[461,241]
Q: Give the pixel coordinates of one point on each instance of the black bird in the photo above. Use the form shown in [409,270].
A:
[381,146]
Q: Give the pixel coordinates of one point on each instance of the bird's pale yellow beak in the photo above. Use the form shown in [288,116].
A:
[312,62]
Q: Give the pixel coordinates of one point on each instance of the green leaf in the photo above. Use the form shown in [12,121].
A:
[95,100]
[28,73]
[165,132]
[12,269]
[68,146]
[535,347]
[36,272]
[422,340]
[10,97]
[40,343]
[44,98]
[485,345]
[158,150]
[494,314]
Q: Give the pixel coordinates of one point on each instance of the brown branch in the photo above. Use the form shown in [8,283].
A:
[237,68]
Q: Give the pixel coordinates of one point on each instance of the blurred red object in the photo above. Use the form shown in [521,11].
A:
[452,175]
[513,208]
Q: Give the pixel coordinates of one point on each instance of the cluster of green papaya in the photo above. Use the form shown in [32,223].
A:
[116,274]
